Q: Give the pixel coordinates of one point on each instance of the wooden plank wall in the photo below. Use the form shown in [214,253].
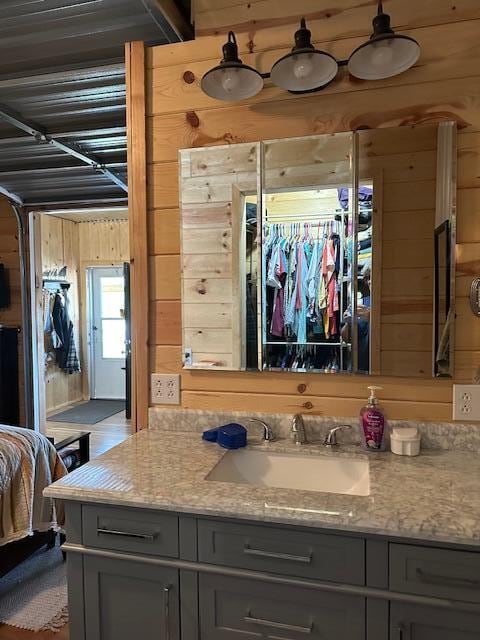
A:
[445,85]
[12,315]
[59,246]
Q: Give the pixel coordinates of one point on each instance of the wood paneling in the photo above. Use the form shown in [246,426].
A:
[104,242]
[335,21]
[59,248]
[444,85]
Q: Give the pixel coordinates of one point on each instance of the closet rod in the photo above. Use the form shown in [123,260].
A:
[309,344]
[305,217]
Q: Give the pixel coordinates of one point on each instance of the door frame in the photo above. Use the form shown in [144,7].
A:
[36,340]
[137,215]
[89,319]
[135,66]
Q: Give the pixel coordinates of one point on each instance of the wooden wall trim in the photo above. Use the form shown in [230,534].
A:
[137,211]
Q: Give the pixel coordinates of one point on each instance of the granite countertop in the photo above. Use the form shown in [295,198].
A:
[433,497]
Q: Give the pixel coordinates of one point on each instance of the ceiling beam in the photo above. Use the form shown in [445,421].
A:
[11,196]
[41,135]
[169,19]
[80,201]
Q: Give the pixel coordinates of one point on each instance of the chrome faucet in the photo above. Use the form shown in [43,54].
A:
[297,430]
[268,434]
[331,437]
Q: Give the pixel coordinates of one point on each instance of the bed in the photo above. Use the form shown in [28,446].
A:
[28,464]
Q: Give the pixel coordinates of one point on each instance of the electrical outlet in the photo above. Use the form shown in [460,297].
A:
[466,402]
[165,388]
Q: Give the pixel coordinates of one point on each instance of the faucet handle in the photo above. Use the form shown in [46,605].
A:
[297,430]
[331,437]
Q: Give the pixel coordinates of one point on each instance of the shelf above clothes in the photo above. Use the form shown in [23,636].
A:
[51,283]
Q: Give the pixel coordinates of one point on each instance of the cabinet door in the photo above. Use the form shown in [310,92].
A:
[237,609]
[411,622]
[125,600]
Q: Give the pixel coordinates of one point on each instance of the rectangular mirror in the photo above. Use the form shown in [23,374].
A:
[218,192]
[307,240]
[329,254]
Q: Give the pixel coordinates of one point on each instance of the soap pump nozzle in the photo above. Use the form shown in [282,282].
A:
[373,398]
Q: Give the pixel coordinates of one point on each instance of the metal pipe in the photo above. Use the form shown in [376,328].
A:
[26,321]
[354,268]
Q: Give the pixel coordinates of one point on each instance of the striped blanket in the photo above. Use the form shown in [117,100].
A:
[28,464]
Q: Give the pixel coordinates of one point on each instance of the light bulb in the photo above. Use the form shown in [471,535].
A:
[302,67]
[230,80]
[382,53]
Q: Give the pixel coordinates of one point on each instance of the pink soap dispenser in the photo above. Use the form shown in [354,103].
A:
[372,423]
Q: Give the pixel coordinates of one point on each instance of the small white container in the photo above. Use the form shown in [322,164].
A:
[405,441]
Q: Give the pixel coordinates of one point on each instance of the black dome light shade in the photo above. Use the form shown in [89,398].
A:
[231,79]
[386,54]
[305,69]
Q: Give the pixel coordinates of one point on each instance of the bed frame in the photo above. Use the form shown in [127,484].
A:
[14,553]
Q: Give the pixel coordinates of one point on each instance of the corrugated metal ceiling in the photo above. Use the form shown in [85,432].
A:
[50,84]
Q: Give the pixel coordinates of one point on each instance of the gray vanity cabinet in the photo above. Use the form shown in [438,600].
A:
[412,622]
[150,575]
[126,600]
[237,609]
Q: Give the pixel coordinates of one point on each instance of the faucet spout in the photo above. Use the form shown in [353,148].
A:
[297,430]
[268,434]
[331,437]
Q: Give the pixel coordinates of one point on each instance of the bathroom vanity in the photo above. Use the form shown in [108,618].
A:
[156,549]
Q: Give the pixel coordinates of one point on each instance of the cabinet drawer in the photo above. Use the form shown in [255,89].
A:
[313,555]
[441,573]
[414,622]
[237,608]
[132,530]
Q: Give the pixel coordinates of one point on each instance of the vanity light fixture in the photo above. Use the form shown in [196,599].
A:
[231,79]
[386,54]
[306,69]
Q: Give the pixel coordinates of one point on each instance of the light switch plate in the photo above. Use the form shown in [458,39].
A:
[466,402]
[165,388]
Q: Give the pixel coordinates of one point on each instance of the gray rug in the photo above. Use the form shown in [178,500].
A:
[90,412]
[33,596]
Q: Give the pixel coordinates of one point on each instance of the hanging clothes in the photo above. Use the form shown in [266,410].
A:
[300,277]
[66,352]
[59,332]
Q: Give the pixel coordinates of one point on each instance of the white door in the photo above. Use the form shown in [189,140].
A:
[107,331]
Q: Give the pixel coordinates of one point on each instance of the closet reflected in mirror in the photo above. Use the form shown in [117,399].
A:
[329,253]
[307,240]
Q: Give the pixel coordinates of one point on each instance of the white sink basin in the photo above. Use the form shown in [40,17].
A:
[294,471]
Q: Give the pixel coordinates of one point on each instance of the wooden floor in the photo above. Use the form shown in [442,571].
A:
[10,633]
[104,435]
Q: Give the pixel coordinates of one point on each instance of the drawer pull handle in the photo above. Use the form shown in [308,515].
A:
[278,556]
[447,580]
[278,625]
[166,593]
[126,534]
[398,631]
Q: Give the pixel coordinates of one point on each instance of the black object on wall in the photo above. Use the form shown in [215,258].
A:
[9,387]
[128,342]
[4,288]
